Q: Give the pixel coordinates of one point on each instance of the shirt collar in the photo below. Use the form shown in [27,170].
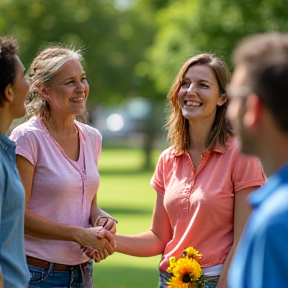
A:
[5,142]
[218,149]
[273,182]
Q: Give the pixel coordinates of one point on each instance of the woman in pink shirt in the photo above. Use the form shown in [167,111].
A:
[57,160]
[201,180]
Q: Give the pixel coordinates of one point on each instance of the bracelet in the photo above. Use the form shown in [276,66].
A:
[108,217]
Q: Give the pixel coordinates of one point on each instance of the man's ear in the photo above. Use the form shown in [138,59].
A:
[8,93]
[253,112]
[222,99]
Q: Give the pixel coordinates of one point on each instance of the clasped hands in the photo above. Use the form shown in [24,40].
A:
[104,231]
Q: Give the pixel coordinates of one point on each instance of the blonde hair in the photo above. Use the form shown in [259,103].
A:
[41,72]
[177,126]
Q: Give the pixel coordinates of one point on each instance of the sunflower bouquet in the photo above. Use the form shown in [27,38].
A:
[186,271]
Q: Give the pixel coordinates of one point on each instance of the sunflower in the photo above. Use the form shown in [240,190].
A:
[186,271]
[192,253]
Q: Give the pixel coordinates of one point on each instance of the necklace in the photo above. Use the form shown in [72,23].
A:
[51,131]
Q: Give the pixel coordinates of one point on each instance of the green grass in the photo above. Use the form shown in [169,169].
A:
[125,192]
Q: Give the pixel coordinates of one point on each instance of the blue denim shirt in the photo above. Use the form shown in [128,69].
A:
[12,202]
[261,260]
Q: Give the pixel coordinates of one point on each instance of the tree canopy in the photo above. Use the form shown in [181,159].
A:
[137,50]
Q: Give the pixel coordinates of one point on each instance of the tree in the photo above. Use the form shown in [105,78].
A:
[186,28]
[114,42]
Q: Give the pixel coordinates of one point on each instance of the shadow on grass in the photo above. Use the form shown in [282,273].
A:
[125,277]
[126,210]
[113,172]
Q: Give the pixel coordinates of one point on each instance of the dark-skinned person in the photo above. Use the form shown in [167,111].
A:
[57,158]
[13,92]
[201,182]
[258,110]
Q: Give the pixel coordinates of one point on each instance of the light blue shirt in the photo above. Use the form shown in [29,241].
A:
[261,260]
[12,204]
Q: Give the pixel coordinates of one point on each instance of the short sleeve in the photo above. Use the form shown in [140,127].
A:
[157,180]
[98,145]
[248,172]
[163,171]
[26,144]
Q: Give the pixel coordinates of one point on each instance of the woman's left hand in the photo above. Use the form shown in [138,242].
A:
[107,223]
[95,255]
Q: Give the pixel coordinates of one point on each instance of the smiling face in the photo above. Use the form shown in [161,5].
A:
[199,95]
[68,91]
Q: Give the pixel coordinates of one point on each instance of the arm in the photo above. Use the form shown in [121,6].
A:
[149,243]
[101,218]
[242,211]
[41,227]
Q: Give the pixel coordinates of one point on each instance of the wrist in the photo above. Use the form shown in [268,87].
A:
[104,217]
[77,235]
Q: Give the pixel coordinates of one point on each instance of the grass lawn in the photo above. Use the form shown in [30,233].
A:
[126,193]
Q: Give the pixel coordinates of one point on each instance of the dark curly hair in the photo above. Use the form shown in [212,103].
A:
[8,49]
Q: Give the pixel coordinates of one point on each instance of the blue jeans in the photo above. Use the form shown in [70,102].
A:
[47,278]
[207,281]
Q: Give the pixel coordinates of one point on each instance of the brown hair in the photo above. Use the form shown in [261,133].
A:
[177,126]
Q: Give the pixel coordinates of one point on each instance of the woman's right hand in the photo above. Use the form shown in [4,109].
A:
[97,243]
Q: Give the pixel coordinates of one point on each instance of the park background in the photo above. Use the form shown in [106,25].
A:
[133,50]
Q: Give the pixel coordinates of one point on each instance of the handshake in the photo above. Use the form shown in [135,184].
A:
[103,230]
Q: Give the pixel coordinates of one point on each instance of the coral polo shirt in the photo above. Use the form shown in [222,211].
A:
[200,205]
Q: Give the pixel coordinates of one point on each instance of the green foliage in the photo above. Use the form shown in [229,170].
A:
[114,41]
[186,28]
[137,50]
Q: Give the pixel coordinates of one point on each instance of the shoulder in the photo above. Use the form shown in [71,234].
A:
[276,205]
[270,219]
[88,130]
[232,145]
[167,154]
[31,127]
[91,136]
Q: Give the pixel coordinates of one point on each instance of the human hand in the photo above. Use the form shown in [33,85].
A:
[98,255]
[98,238]
[107,222]
[94,254]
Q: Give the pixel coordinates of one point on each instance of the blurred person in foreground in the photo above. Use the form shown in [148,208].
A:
[13,91]
[57,158]
[258,108]
[201,180]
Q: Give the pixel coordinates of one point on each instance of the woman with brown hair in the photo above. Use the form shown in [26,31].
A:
[201,180]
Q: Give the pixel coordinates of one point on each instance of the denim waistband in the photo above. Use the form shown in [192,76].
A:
[213,270]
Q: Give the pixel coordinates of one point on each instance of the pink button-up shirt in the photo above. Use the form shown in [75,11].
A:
[200,205]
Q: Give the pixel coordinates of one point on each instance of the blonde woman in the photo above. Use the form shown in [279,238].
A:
[57,160]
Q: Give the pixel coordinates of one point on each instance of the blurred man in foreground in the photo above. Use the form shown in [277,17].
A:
[258,110]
